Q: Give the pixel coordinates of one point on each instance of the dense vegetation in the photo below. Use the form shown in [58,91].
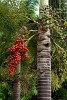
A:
[16,19]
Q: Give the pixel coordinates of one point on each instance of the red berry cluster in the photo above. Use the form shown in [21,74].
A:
[17,52]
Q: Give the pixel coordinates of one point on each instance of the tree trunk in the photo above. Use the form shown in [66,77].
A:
[44,63]
[16,89]
[16,86]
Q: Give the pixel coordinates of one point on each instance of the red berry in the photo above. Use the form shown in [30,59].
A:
[17,52]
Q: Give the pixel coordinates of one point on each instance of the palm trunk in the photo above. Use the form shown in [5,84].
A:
[16,86]
[44,64]
[16,89]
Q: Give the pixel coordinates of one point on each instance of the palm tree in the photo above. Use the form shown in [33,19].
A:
[43,61]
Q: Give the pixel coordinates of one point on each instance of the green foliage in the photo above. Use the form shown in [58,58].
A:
[13,15]
[54,3]
[5,91]
[55,81]
[29,6]
[61,94]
